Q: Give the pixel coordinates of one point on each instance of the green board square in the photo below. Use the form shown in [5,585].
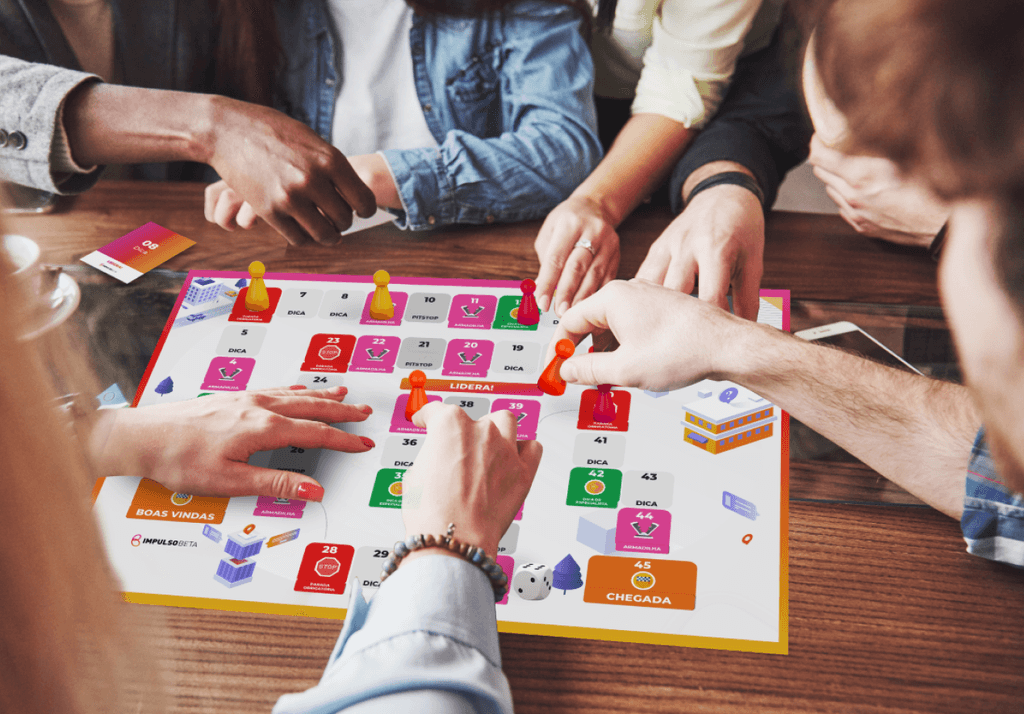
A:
[504,319]
[606,497]
[383,494]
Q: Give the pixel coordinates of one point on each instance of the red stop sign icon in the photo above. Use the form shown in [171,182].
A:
[326,567]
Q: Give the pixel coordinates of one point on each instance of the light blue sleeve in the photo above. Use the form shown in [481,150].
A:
[427,642]
[548,142]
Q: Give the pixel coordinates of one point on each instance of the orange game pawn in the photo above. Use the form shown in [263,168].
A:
[551,381]
[418,395]
[256,297]
[381,307]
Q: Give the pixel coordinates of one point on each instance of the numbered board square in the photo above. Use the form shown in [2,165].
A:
[228,374]
[643,530]
[473,311]
[240,313]
[468,358]
[398,421]
[397,299]
[324,568]
[516,360]
[427,307]
[588,400]
[375,353]
[647,489]
[300,302]
[400,451]
[527,412]
[599,450]
[507,314]
[387,489]
[594,488]
[476,407]
[426,353]
[329,353]
[342,305]
[241,340]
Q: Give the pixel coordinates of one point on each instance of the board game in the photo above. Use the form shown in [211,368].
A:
[665,524]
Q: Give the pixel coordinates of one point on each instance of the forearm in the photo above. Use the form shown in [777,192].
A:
[915,431]
[639,160]
[109,124]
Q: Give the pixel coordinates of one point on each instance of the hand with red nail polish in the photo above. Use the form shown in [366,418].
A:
[202,446]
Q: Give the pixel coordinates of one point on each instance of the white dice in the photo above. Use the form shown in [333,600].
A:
[532,581]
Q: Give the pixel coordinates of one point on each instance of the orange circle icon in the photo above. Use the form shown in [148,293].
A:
[395,489]
[594,487]
[747,538]
[642,580]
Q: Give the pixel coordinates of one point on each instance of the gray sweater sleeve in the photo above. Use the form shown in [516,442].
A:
[36,151]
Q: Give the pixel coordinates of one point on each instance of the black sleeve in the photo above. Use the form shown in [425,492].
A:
[762,123]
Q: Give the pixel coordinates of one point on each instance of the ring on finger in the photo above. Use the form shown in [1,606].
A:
[585,243]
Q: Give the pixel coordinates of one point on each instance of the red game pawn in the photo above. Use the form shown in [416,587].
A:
[604,406]
[551,381]
[418,395]
[528,312]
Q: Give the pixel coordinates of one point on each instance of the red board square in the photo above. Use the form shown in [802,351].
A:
[586,418]
[324,568]
[240,313]
[329,353]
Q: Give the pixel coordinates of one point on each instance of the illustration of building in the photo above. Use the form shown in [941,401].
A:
[202,290]
[238,569]
[727,419]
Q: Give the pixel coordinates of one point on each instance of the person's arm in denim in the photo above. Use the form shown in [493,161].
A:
[548,143]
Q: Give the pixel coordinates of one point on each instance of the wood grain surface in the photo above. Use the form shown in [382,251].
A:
[846,267]
[887,612]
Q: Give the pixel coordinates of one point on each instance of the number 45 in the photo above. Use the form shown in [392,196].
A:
[642,565]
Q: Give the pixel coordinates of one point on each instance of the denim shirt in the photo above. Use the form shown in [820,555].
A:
[508,97]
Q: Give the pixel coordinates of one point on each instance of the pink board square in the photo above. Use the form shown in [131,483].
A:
[643,530]
[397,299]
[472,311]
[279,507]
[398,421]
[528,413]
[508,564]
[467,358]
[228,374]
[375,353]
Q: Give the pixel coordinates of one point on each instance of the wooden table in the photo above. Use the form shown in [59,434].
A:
[887,612]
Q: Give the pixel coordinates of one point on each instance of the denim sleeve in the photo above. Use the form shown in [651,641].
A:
[547,146]
[761,124]
[427,642]
[993,517]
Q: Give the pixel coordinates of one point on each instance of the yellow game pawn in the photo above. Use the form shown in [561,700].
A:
[381,307]
[257,299]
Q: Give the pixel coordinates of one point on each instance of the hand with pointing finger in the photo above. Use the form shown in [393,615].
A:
[667,340]
[202,446]
[470,473]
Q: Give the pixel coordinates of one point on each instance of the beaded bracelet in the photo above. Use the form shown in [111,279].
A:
[475,555]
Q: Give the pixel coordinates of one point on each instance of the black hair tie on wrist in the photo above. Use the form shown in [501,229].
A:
[732,178]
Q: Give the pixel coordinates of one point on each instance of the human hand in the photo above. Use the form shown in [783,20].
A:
[470,473]
[291,178]
[576,272]
[202,446]
[875,199]
[718,237]
[666,339]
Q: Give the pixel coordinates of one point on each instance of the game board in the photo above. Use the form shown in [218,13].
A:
[667,525]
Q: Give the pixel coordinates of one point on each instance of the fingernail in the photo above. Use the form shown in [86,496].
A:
[339,390]
[365,408]
[311,491]
[367,442]
[543,303]
[562,308]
